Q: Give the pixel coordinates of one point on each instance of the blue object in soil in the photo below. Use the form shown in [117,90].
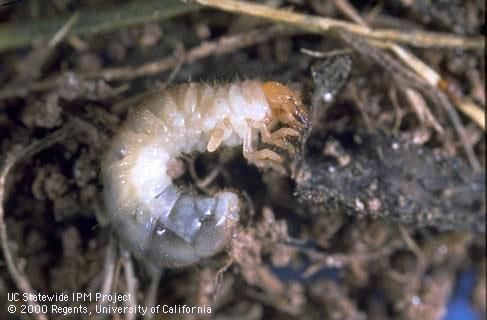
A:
[459,307]
[287,274]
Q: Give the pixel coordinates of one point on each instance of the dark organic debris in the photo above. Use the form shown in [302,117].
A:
[398,181]
[374,161]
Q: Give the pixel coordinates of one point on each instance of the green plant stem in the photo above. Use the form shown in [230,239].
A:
[91,21]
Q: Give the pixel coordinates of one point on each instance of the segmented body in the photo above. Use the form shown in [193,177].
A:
[155,219]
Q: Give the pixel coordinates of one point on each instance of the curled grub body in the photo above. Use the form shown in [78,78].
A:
[167,225]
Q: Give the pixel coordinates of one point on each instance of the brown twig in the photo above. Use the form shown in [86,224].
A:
[338,260]
[419,106]
[452,113]
[358,98]
[13,158]
[348,10]
[413,79]
[223,45]
[413,246]
[317,24]
[467,106]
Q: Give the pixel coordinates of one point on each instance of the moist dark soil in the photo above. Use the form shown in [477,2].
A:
[381,211]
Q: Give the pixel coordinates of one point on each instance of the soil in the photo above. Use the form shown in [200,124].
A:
[382,212]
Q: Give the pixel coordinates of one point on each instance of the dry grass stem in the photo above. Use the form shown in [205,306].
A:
[63,31]
[467,106]
[317,24]
[348,10]
[420,107]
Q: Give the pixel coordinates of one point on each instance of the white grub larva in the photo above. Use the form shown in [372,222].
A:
[167,225]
